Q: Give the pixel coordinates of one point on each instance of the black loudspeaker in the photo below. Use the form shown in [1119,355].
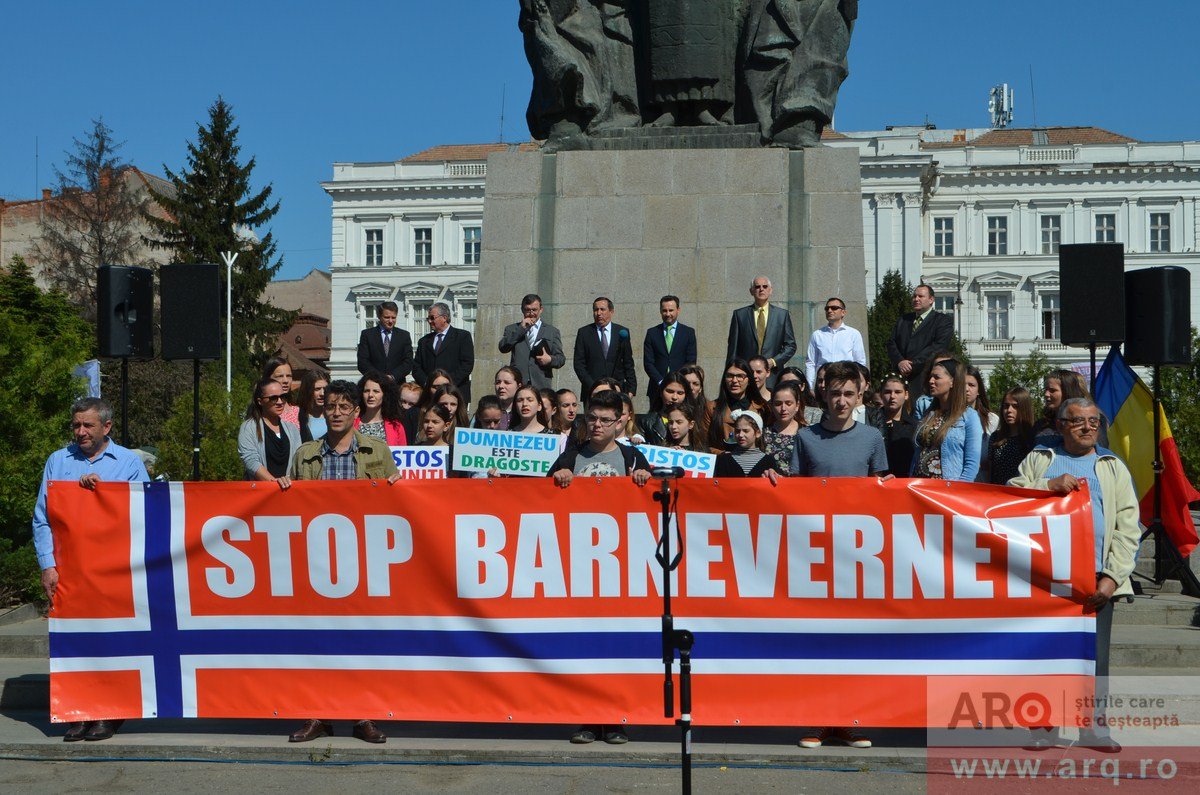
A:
[1091,278]
[125,312]
[191,311]
[1159,311]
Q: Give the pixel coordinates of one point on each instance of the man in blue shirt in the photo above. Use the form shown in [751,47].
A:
[92,457]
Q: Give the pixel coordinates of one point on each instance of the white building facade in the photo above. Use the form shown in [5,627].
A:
[980,214]
[977,214]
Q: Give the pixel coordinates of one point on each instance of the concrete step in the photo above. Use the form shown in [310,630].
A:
[1159,609]
[1154,647]
[25,639]
[24,684]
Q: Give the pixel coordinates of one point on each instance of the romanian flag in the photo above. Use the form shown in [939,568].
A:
[1129,406]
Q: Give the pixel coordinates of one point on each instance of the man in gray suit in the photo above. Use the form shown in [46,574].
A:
[762,330]
[535,345]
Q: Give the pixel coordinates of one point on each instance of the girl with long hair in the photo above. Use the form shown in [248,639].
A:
[266,444]
[949,435]
[379,410]
[1014,438]
[311,402]
[736,395]
[779,437]
[278,370]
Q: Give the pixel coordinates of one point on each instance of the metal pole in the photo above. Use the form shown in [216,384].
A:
[125,401]
[195,419]
[229,257]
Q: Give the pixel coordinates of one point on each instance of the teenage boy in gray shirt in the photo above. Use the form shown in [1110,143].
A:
[838,446]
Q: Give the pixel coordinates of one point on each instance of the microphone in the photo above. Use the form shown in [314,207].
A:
[666,473]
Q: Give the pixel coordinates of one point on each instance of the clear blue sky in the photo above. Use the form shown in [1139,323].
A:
[316,82]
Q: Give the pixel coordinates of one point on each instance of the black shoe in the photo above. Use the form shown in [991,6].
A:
[1043,739]
[102,730]
[585,734]
[76,731]
[311,730]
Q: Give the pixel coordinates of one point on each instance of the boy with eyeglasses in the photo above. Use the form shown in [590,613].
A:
[601,456]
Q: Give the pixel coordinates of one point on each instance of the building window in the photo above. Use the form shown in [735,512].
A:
[1160,232]
[370,314]
[997,236]
[945,304]
[472,242]
[418,311]
[423,245]
[374,252]
[997,317]
[1051,305]
[469,311]
[943,237]
[1051,233]
[1106,228]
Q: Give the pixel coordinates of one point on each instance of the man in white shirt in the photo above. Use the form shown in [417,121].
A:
[833,342]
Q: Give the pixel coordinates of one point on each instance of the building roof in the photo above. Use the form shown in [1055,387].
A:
[1025,136]
[460,152]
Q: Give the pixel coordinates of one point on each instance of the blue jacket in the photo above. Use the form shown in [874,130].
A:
[960,449]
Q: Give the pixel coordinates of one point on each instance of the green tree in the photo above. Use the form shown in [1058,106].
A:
[215,210]
[39,348]
[219,423]
[1012,372]
[892,299]
[1178,389]
[93,219]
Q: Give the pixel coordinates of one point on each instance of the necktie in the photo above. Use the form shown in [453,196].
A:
[670,337]
[387,342]
[760,327]
[604,341]
[917,322]
[437,342]
[531,336]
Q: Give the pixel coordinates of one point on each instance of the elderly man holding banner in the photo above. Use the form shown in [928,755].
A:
[1065,467]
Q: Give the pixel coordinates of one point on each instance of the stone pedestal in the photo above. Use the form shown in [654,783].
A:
[696,223]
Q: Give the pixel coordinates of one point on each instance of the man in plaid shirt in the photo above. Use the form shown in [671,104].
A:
[342,454]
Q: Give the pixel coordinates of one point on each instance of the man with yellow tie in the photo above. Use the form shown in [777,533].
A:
[762,330]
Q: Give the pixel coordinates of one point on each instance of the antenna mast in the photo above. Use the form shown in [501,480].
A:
[503,95]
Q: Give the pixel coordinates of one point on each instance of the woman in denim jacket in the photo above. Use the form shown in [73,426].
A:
[949,434]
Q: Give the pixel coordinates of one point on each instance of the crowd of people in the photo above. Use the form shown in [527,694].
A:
[764,419]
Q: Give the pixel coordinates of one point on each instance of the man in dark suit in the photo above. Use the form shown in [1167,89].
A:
[385,348]
[603,350]
[762,330]
[445,348]
[919,334]
[667,347]
[533,333]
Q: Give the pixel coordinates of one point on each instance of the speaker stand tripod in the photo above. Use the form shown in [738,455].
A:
[1167,560]
[125,401]
[195,419]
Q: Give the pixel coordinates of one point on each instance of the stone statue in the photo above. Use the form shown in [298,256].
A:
[692,44]
[581,52]
[793,61]
[769,70]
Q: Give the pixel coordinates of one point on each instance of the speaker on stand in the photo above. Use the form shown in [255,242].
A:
[125,323]
[1092,295]
[1159,318]
[191,327]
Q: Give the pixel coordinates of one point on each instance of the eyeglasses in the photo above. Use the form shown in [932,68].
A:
[761,287]
[1079,422]
[274,398]
[736,376]
[339,408]
[603,422]
[834,308]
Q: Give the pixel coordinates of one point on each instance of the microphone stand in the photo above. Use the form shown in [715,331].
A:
[673,639]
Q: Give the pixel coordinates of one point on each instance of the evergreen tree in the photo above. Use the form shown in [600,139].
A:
[214,211]
[94,218]
[892,299]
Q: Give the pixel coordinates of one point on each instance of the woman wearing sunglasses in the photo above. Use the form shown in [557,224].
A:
[265,442]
